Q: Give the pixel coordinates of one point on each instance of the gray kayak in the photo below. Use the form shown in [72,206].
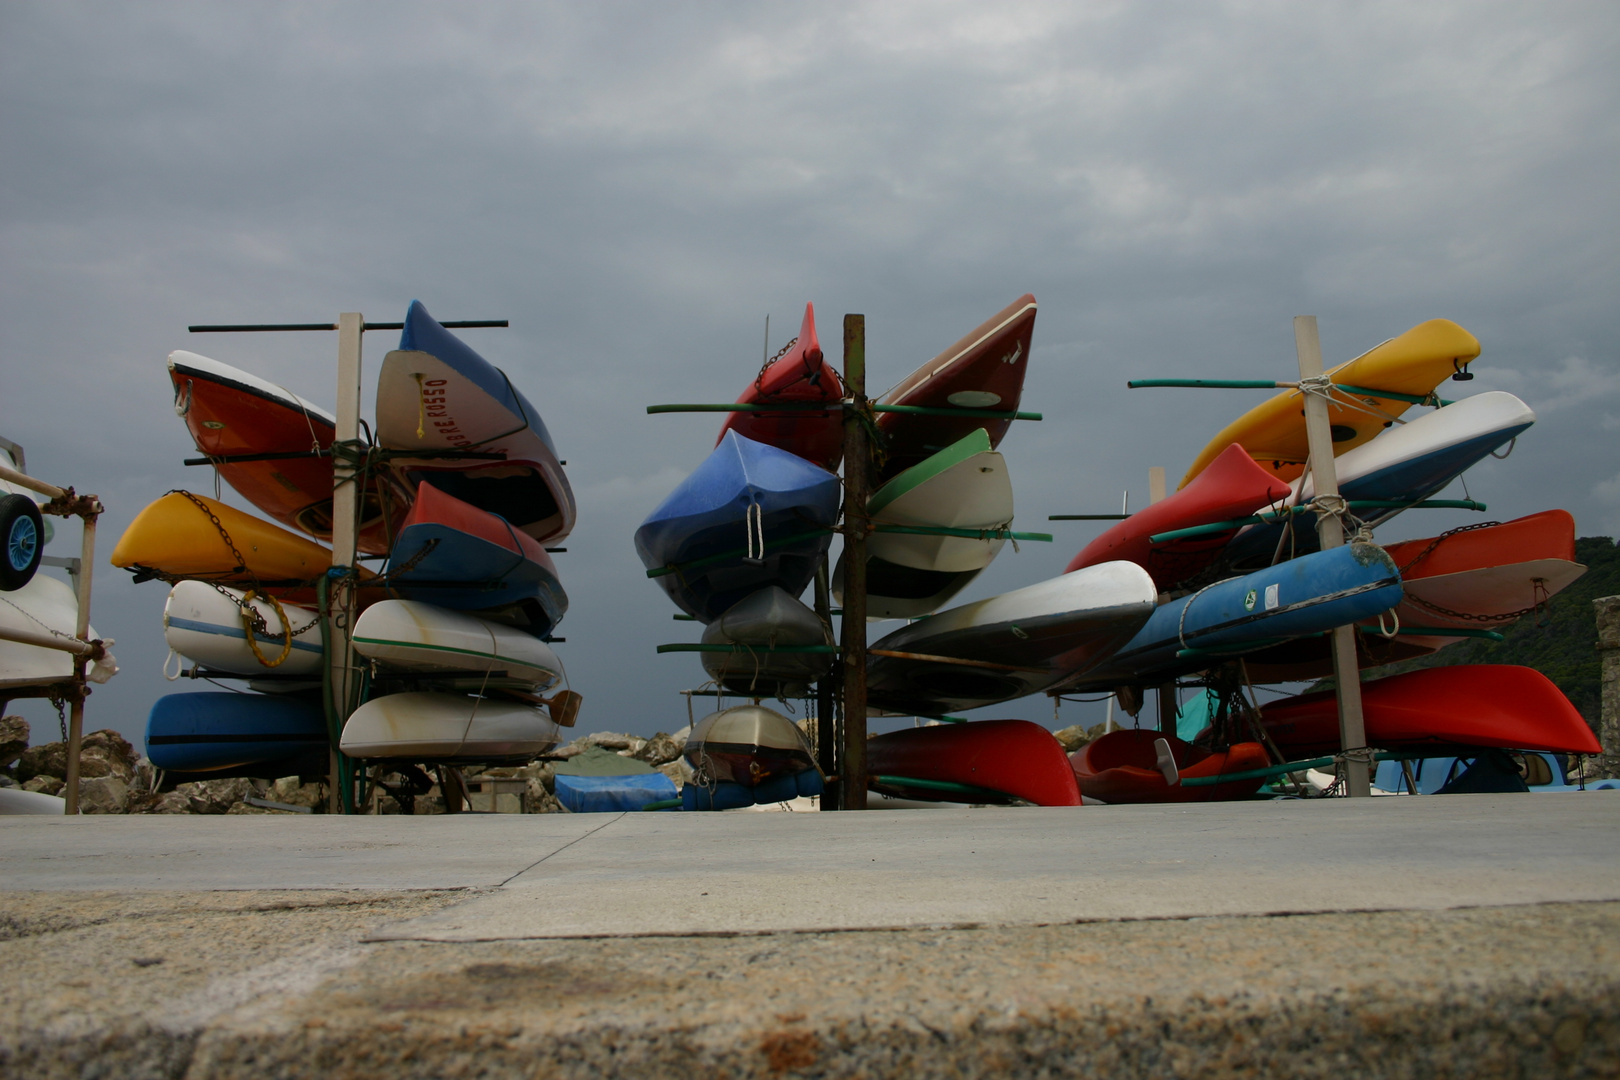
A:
[757,623]
[1018,643]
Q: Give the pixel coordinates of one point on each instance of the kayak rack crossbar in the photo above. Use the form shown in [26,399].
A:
[1267,384]
[269,328]
[947,786]
[1444,631]
[970,534]
[681,616]
[691,646]
[1355,504]
[1086,517]
[292,455]
[835,406]
[1292,767]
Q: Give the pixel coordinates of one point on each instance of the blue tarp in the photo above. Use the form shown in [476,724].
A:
[610,794]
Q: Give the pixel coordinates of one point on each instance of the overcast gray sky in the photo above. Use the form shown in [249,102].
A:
[636,185]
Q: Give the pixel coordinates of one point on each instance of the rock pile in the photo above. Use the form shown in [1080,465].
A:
[1073,738]
[115,780]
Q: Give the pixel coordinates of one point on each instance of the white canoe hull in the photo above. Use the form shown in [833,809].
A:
[18,801]
[45,605]
[205,625]
[1490,594]
[1021,642]
[411,636]
[420,726]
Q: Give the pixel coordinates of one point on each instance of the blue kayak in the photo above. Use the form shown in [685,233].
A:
[1405,466]
[434,393]
[1293,599]
[457,556]
[702,534]
[214,730]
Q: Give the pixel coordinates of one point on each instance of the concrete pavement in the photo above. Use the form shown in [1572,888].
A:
[1467,935]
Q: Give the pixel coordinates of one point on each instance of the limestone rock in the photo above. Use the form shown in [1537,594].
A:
[659,750]
[678,770]
[46,759]
[13,739]
[50,785]
[541,800]
[103,795]
[215,796]
[1073,738]
[109,754]
[170,802]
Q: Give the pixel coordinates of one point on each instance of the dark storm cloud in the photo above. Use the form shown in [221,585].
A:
[635,186]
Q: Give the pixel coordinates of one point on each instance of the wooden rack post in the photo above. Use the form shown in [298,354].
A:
[857,462]
[346,501]
[828,728]
[1325,478]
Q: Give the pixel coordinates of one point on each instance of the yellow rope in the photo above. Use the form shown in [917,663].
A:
[421,407]
[248,617]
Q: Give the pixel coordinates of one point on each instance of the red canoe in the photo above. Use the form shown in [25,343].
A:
[803,376]
[1233,486]
[1478,579]
[1122,767]
[1008,757]
[231,413]
[985,370]
[1500,705]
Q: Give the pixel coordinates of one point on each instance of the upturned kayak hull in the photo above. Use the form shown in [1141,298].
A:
[701,535]
[1303,596]
[434,393]
[1018,643]
[429,727]
[1232,487]
[801,376]
[413,638]
[1273,432]
[233,414]
[965,486]
[457,556]
[1496,705]
[204,624]
[213,731]
[1002,760]
[756,625]
[984,370]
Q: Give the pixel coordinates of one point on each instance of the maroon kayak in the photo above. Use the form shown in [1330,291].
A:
[1012,759]
[984,370]
[1233,486]
[1499,705]
[800,376]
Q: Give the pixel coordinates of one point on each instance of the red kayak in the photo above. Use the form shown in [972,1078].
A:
[231,413]
[1499,705]
[800,375]
[985,370]
[1011,758]
[1481,578]
[1232,486]
[1122,767]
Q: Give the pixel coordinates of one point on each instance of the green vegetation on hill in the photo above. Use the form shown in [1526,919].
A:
[1560,644]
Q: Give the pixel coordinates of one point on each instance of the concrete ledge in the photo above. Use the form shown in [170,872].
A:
[1520,991]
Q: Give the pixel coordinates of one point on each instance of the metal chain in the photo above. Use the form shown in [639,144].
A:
[1468,616]
[241,563]
[759,380]
[1426,552]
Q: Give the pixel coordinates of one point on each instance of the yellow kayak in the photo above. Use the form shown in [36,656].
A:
[177,537]
[1273,432]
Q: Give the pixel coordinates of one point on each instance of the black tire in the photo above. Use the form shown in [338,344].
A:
[22,532]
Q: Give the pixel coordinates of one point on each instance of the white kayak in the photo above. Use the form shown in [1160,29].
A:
[17,801]
[411,636]
[421,727]
[1021,642]
[45,606]
[208,625]
[964,486]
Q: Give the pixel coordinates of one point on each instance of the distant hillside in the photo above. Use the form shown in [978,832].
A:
[1560,646]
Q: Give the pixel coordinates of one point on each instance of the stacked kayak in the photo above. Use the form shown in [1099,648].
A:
[1126,767]
[799,376]
[747,755]
[461,490]
[988,761]
[911,571]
